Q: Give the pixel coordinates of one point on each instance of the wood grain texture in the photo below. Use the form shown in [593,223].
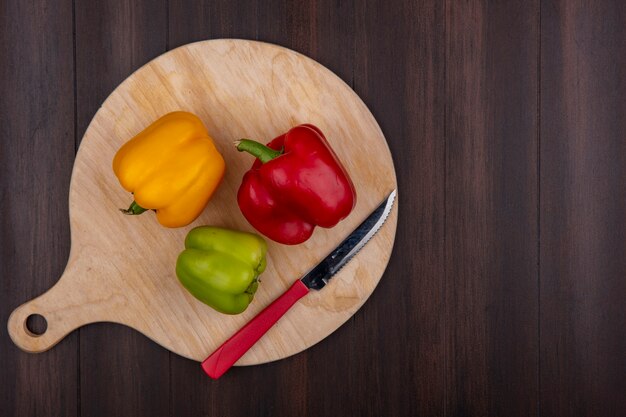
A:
[399,71]
[192,393]
[278,388]
[113,39]
[36,121]
[449,83]
[491,208]
[198,20]
[583,209]
[121,268]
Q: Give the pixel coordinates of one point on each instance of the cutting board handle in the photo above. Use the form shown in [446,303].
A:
[63,307]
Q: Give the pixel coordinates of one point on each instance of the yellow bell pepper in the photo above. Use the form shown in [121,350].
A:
[171,167]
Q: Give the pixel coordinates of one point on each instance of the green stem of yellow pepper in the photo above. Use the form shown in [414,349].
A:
[133,209]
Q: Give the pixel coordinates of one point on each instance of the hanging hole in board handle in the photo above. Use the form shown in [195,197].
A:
[39,324]
[35,328]
[36,325]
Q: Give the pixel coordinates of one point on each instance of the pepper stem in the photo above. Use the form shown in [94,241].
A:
[133,209]
[262,152]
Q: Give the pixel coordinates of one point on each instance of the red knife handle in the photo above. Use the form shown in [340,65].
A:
[226,355]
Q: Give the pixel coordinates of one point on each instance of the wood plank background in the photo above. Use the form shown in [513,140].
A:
[506,292]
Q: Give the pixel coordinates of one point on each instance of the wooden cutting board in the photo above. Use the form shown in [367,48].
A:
[121,268]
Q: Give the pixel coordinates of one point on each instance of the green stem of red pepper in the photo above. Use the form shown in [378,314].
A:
[262,152]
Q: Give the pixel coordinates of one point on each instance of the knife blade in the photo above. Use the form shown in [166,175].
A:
[234,348]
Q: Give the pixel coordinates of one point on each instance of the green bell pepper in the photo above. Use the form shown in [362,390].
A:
[220,267]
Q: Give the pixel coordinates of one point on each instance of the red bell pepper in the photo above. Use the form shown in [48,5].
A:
[296,183]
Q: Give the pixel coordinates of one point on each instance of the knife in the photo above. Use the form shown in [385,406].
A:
[234,348]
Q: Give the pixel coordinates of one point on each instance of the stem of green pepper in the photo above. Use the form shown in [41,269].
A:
[262,152]
[133,209]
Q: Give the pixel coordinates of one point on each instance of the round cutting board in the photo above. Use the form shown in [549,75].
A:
[121,268]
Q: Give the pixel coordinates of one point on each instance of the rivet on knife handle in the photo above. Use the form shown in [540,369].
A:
[226,355]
